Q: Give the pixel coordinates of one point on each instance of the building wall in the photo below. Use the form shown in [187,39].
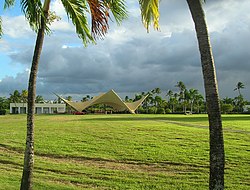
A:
[21,108]
[246,108]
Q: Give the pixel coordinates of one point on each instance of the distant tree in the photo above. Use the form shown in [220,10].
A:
[157,90]
[4,103]
[69,98]
[239,103]
[15,97]
[39,99]
[24,96]
[239,86]
[169,94]
[127,99]
[182,89]
[226,108]
[227,100]
[193,93]
[148,100]
[137,97]
[85,98]
[199,101]
[158,100]
[174,102]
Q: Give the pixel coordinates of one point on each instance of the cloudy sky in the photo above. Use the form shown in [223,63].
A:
[129,59]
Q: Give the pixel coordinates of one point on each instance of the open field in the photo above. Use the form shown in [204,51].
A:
[123,151]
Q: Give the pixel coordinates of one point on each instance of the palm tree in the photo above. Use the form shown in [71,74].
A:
[182,89]
[150,12]
[39,99]
[24,96]
[24,99]
[199,100]
[157,101]
[15,98]
[69,98]
[193,93]
[239,86]
[39,18]
[170,94]
[157,90]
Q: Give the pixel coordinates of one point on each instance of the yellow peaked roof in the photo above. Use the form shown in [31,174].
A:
[110,98]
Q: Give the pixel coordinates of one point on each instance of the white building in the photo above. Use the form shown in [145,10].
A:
[246,108]
[46,108]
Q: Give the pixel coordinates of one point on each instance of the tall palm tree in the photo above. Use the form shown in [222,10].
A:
[239,86]
[24,99]
[199,100]
[193,93]
[39,99]
[157,90]
[150,12]
[39,18]
[15,98]
[24,96]
[182,89]
[169,94]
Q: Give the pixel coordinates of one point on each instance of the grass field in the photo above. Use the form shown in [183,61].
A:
[123,152]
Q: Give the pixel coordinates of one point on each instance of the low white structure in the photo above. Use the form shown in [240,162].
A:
[246,108]
[45,108]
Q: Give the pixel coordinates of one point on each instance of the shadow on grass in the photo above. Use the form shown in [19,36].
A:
[184,118]
[81,158]
[167,117]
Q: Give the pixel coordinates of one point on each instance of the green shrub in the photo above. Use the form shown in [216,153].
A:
[152,110]
[225,108]
[160,111]
[141,110]
[167,110]
[2,112]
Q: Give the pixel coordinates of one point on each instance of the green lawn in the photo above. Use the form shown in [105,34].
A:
[123,151]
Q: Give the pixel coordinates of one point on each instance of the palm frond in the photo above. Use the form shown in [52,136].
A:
[150,13]
[9,3]
[1,29]
[76,11]
[33,12]
[99,17]
[118,9]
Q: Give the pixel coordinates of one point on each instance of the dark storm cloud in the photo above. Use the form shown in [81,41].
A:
[137,65]
[9,84]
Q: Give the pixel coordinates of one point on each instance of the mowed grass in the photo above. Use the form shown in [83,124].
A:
[123,151]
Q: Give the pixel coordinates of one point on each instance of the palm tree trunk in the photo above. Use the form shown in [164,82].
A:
[191,107]
[27,177]
[217,155]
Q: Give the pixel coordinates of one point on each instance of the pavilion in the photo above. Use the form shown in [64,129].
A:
[110,98]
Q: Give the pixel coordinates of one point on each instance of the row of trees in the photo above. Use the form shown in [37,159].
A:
[186,101]
[183,100]
[18,97]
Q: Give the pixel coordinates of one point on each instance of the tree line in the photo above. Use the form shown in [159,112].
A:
[182,100]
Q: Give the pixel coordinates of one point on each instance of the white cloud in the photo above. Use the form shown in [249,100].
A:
[62,26]
[4,45]
[16,27]
[57,7]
